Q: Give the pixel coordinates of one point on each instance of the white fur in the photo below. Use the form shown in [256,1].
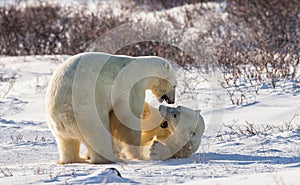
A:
[181,138]
[188,128]
[88,87]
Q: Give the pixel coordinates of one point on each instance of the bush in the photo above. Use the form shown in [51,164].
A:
[50,29]
[260,47]
[256,43]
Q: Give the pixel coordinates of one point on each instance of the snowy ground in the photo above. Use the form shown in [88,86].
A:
[28,150]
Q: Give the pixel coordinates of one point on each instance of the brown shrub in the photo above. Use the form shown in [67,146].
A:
[50,29]
[257,45]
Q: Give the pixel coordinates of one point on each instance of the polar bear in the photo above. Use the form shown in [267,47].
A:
[167,132]
[87,87]
[186,137]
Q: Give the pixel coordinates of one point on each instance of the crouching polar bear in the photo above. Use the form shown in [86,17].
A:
[188,128]
[167,132]
[88,87]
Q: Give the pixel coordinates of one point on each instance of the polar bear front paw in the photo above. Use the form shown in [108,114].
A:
[159,151]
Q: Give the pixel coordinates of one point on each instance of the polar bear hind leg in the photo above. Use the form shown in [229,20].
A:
[69,150]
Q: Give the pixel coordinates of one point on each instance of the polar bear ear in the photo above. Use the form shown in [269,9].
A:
[178,109]
[163,110]
[166,65]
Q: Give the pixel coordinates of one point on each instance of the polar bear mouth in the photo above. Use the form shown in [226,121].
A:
[167,99]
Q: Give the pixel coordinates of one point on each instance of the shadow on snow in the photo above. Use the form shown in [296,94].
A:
[233,158]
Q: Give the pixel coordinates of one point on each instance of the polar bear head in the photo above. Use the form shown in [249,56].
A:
[154,126]
[164,90]
[187,132]
[163,85]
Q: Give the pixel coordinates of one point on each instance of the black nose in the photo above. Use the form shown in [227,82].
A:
[165,97]
[164,124]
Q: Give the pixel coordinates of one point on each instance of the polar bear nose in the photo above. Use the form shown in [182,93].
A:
[164,97]
[164,124]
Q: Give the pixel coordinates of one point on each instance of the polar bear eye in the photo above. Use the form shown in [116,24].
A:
[164,124]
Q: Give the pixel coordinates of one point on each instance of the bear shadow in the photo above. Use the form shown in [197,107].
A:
[239,159]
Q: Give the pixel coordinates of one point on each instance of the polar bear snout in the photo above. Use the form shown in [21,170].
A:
[165,98]
[169,97]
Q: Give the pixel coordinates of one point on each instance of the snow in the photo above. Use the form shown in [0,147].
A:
[28,150]
[286,177]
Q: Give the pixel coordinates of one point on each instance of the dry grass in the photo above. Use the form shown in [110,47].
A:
[6,172]
[249,129]
[257,44]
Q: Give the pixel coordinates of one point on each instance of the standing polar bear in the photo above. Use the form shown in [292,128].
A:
[88,87]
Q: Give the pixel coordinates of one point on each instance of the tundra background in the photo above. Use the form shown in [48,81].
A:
[254,46]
